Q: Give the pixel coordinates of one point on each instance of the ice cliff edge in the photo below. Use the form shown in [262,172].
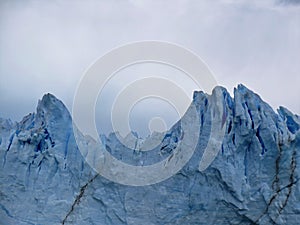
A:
[44,179]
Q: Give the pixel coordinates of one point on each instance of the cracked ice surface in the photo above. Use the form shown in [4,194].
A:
[44,179]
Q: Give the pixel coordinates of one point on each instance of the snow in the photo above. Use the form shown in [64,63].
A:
[44,178]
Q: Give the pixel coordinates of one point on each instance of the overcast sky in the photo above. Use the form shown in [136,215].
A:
[47,46]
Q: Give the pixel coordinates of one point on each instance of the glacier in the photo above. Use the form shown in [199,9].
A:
[44,178]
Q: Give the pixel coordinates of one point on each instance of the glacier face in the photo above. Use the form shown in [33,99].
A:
[44,179]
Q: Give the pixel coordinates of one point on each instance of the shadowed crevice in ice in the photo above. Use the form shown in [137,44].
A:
[78,197]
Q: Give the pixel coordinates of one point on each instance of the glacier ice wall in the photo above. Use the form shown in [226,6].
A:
[44,179]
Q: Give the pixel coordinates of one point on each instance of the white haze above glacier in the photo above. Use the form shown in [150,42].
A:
[46,47]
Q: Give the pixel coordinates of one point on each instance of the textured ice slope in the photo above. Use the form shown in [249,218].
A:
[253,180]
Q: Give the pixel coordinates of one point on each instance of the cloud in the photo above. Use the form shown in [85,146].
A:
[289,2]
[46,46]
